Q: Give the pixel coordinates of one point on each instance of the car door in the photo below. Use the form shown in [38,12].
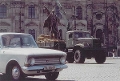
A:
[70,40]
[3,56]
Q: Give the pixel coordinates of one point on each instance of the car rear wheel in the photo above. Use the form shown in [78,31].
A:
[70,60]
[51,76]
[70,57]
[78,56]
[100,57]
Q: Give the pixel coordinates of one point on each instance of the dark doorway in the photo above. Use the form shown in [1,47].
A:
[32,32]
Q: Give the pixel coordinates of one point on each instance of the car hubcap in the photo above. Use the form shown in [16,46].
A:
[15,72]
[77,54]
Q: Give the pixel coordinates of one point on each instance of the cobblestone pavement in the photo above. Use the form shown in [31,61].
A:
[89,71]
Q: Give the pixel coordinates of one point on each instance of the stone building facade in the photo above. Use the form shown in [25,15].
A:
[103,20]
[100,17]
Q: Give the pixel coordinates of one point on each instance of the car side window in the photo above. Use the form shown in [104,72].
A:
[78,35]
[15,42]
[70,35]
[26,41]
[4,41]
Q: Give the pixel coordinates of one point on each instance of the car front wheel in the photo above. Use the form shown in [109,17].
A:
[51,76]
[78,56]
[14,72]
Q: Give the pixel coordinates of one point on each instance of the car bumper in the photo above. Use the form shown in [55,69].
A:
[41,69]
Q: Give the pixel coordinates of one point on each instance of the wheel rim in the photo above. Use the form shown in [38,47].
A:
[77,55]
[16,72]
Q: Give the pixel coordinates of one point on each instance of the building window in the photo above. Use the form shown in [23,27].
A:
[98,16]
[79,12]
[32,32]
[31,11]
[3,30]
[57,12]
[3,11]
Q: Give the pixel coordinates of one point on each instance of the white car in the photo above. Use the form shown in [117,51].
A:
[20,57]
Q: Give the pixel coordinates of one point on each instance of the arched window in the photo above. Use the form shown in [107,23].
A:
[79,12]
[32,32]
[3,11]
[31,11]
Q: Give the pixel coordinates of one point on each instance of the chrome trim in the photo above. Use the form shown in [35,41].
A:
[47,61]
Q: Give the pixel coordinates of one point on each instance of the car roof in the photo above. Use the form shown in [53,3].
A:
[5,33]
[78,31]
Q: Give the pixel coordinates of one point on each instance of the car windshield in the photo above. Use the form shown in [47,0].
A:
[82,35]
[20,40]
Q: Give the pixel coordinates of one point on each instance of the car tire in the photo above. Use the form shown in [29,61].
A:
[14,72]
[78,56]
[100,57]
[70,58]
[52,76]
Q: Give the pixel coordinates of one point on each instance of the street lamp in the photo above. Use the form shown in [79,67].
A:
[75,18]
[20,21]
[22,4]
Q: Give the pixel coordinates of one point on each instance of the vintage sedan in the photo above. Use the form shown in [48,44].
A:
[20,57]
